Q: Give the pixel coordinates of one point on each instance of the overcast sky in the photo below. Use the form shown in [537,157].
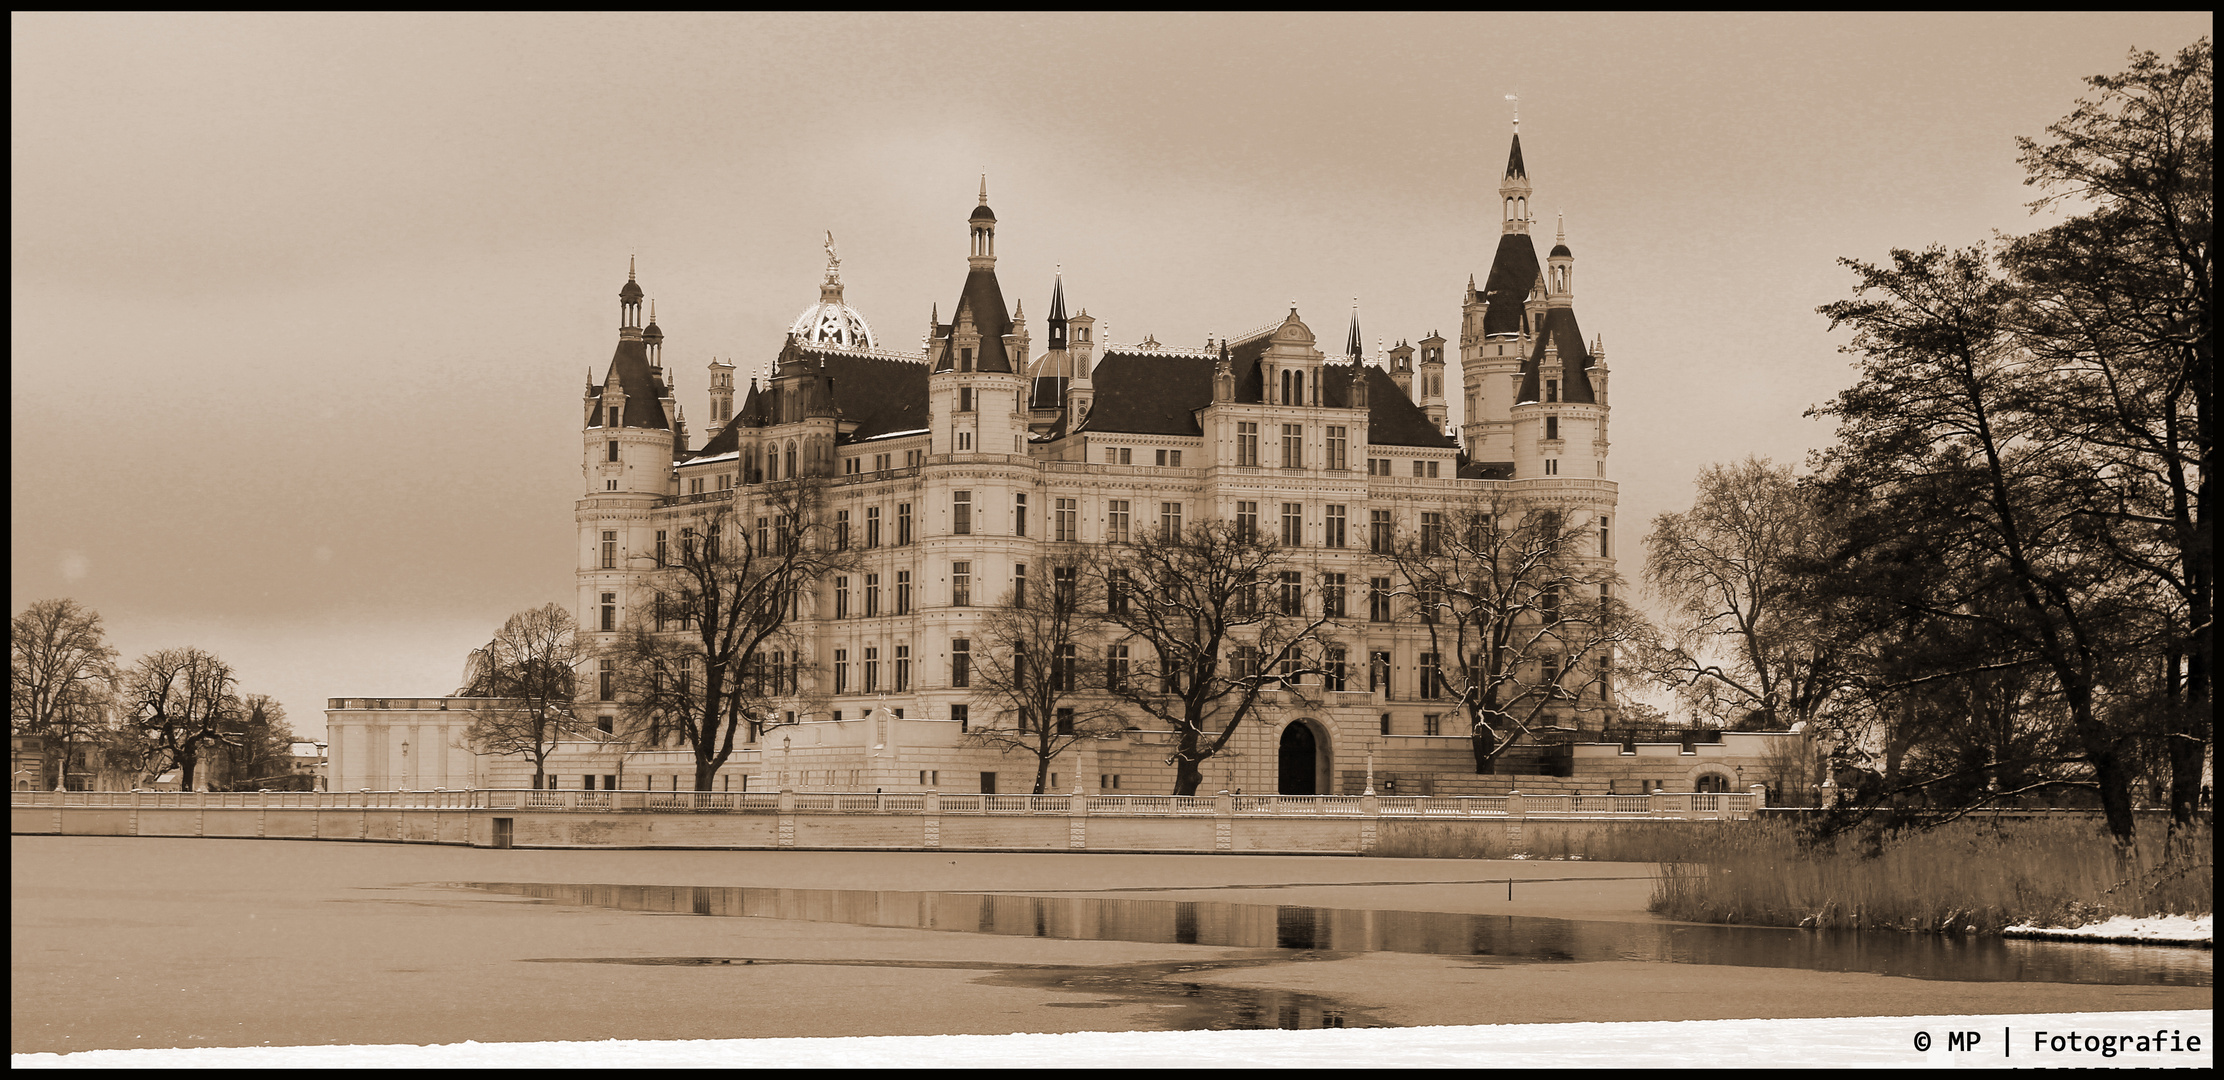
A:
[303,304]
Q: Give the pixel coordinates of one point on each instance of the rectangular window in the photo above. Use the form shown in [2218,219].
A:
[1115,521]
[1111,456]
[1019,584]
[841,598]
[661,550]
[1378,599]
[1065,727]
[961,714]
[872,595]
[1169,521]
[1432,723]
[605,682]
[1019,514]
[1386,723]
[1428,604]
[872,670]
[1606,549]
[1432,532]
[903,523]
[1432,469]
[1293,524]
[1332,596]
[1293,446]
[852,466]
[1291,665]
[1552,390]
[1062,670]
[1552,466]
[841,671]
[961,512]
[1068,526]
[609,550]
[1417,468]
[1291,594]
[965,396]
[841,530]
[1064,581]
[1127,455]
[1332,527]
[961,666]
[1243,662]
[1115,667]
[1378,672]
[872,526]
[1247,443]
[609,611]
[1162,457]
[764,535]
[1379,533]
[1549,602]
[613,444]
[880,462]
[1115,591]
[1333,675]
[1551,427]
[1552,673]
[1432,677]
[1247,520]
[961,584]
[903,592]
[1338,446]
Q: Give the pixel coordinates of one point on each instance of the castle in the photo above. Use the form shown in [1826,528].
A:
[953,468]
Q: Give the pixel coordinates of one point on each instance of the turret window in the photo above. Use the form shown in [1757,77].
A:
[1019,514]
[961,512]
[613,450]
[609,550]
[961,584]
[1552,466]
[965,361]
[965,399]
[1551,390]
[1551,427]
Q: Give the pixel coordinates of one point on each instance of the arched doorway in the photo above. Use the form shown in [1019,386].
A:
[1711,783]
[1300,760]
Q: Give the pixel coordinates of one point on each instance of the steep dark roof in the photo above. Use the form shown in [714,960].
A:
[880,394]
[984,298]
[1561,333]
[1513,160]
[1513,272]
[1155,394]
[630,366]
[1486,470]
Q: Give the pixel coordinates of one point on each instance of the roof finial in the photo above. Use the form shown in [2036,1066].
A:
[1561,235]
[629,267]
[984,187]
[833,261]
[1517,112]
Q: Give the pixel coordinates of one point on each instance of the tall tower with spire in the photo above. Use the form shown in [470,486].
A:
[1495,324]
[976,387]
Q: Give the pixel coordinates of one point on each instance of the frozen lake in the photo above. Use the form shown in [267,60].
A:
[139,942]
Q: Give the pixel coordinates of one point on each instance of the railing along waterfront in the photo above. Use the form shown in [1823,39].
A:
[1674,805]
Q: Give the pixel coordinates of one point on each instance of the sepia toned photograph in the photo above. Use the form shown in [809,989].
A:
[1437,540]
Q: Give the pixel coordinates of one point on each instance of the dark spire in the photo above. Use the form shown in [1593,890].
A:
[1354,348]
[1513,160]
[1058,311]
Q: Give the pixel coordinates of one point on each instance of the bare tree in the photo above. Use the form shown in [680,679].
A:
[526,678]
[1039,647]
[186,702]
[61,677]
[1519,611]
[1216,618]
[1742,646]
[263,757]
[723,598]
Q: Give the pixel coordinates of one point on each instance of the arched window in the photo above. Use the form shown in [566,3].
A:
[791,459]
[1711,783]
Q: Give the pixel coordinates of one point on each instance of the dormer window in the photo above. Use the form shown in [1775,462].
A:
[965,360]
[1552,389]
[613,417]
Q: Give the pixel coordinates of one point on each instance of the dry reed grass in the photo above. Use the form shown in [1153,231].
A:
[1968,876]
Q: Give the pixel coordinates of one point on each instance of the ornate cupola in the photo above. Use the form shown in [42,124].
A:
[654,339]
[1513,188]
[1560,270]
[831,321]
[983,226]
[629,306]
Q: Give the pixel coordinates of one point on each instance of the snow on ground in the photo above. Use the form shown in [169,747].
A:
[2135,1039]
[2153,930]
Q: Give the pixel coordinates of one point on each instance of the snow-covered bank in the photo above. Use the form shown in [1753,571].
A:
[2176,1039]
[2150,930]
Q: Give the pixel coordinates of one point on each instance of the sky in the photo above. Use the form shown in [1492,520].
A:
[2180,1039]
[303,304]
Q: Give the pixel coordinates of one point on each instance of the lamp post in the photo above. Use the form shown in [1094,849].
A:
[323,778]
